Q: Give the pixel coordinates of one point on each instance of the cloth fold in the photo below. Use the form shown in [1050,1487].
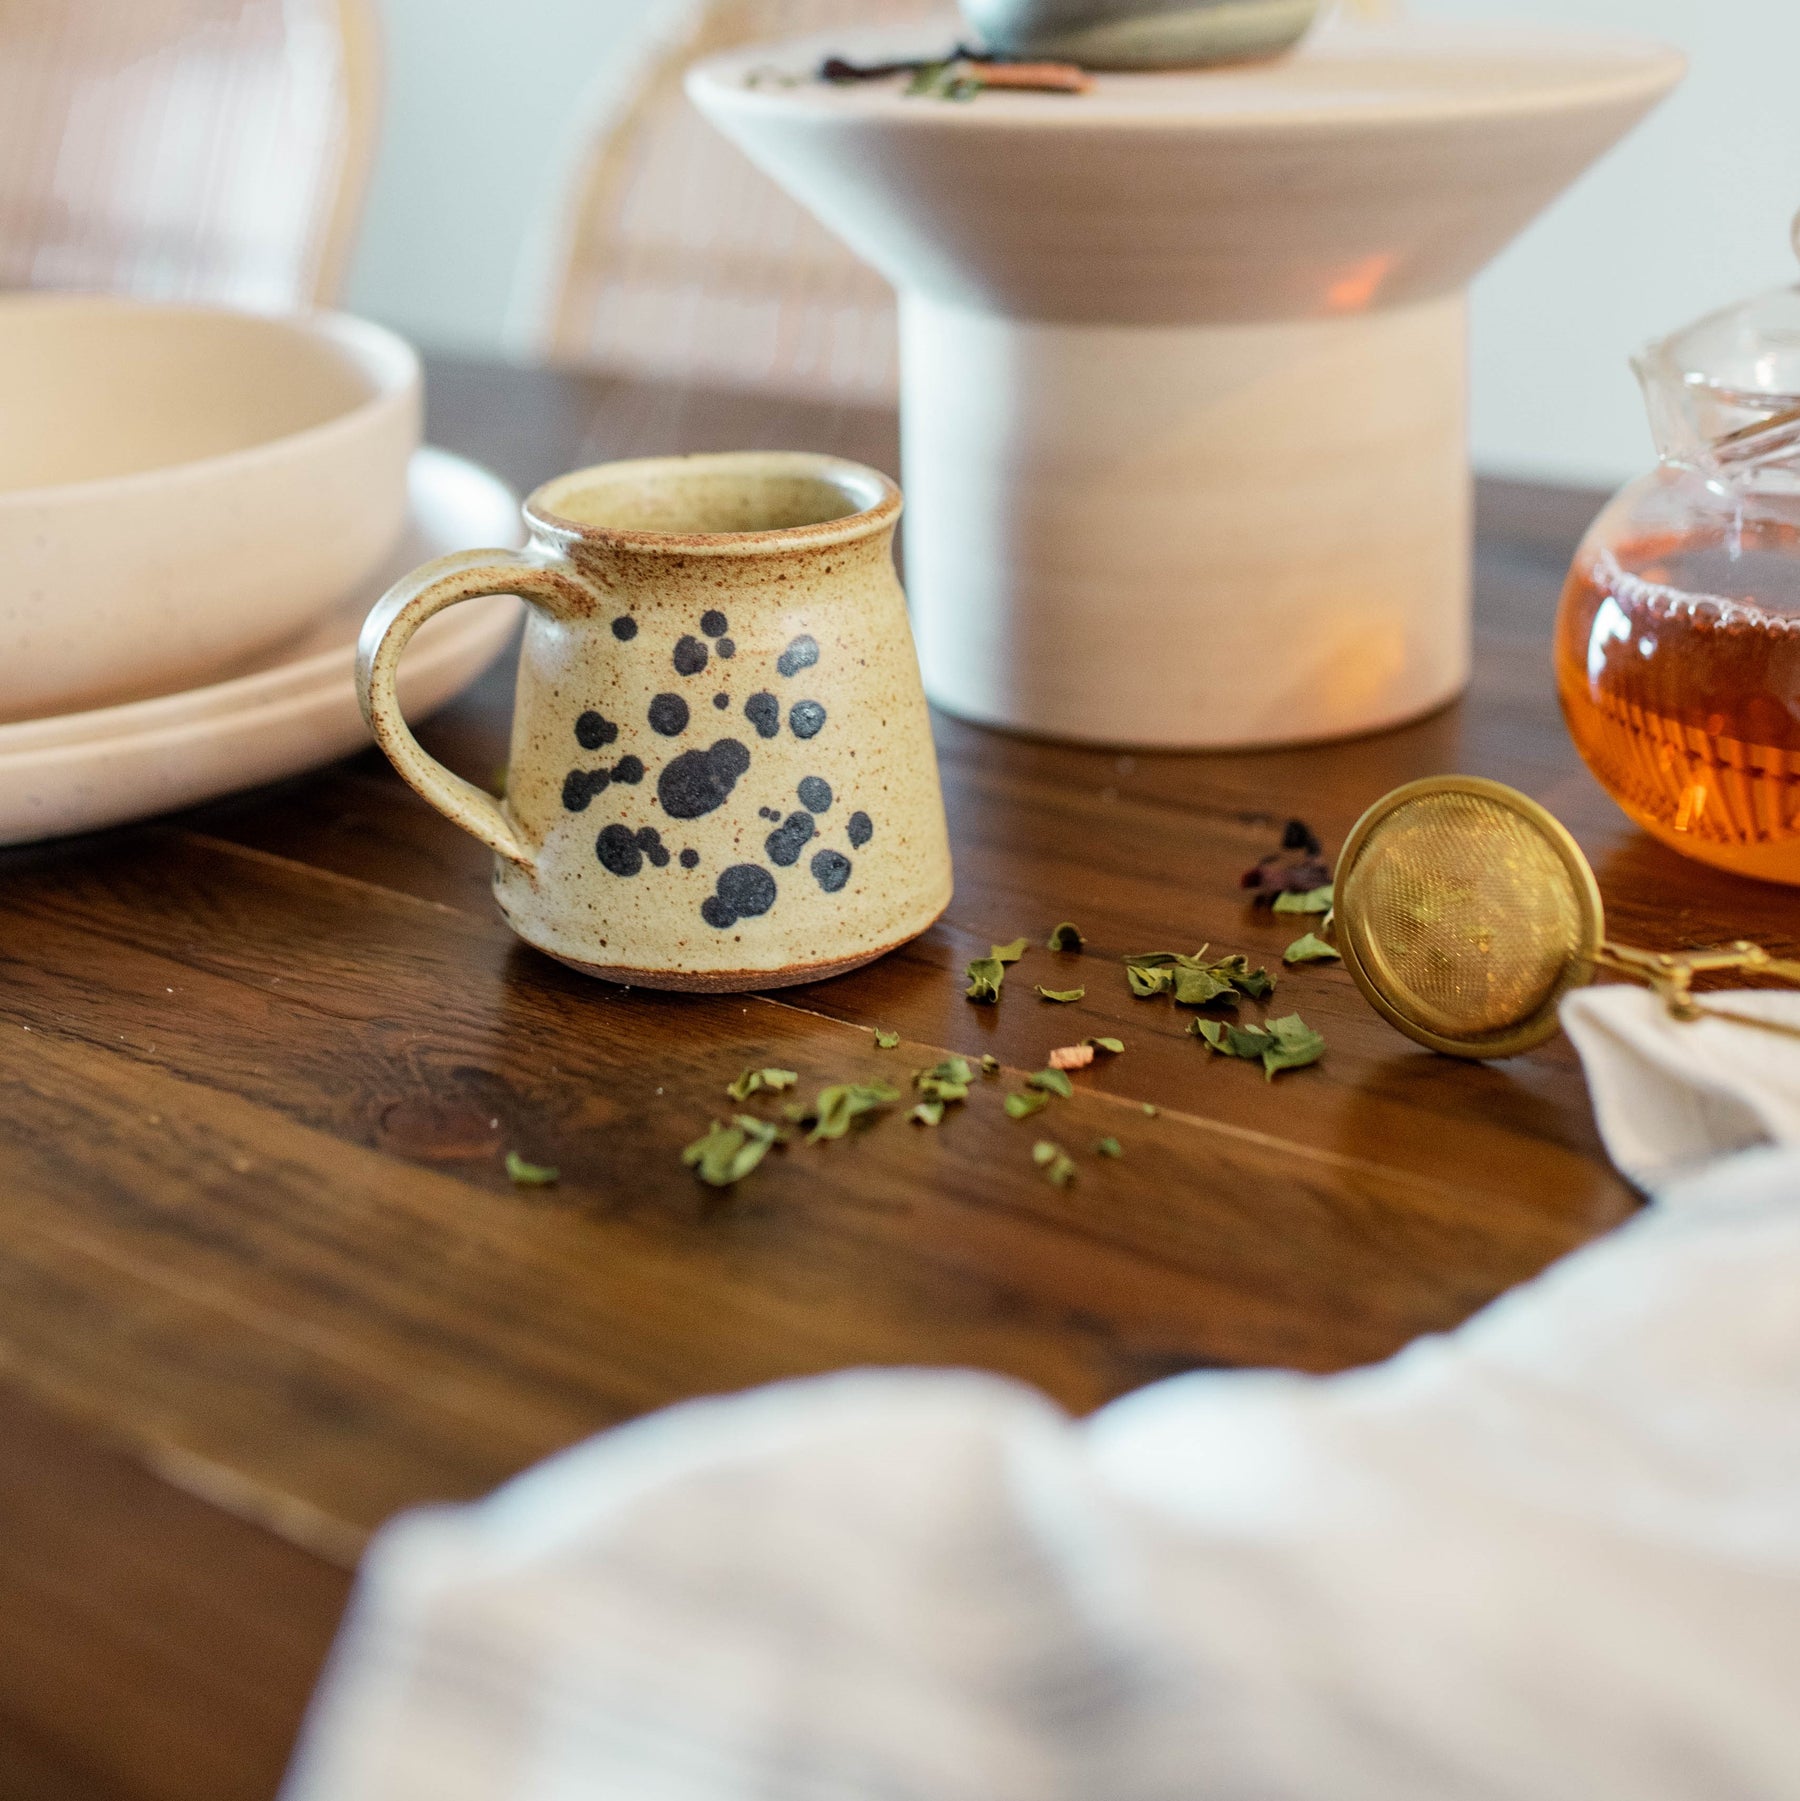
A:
[1555,1553]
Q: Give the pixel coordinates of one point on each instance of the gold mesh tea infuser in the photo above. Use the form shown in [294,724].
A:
[1465,912]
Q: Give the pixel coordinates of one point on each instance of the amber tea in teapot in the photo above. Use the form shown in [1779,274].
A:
[1678,642]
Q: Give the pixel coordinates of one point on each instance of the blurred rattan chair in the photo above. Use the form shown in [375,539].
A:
[677,258]
[185,149]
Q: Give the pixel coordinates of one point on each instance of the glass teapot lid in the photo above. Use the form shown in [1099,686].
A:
[1724,393]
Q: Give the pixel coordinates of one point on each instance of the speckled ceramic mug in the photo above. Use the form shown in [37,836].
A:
[722,774]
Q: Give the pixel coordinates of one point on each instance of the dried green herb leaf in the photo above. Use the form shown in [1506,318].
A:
[985,976]
[1054,1161]
[1022,1106]
[928,1113]
[1066,937]
[1147,981]
[1310,949]
[728,1153]
[952,1069]
[885,1041]
[1287,1043]
[530,1175]
[990,1066]
[1200,987]
[1115,1045]
[1107,1147]
[1063,996]
[1051,1081]
[1313,900]
[1296,1046]
[1257,983]
[843,1102]
[753,1081]
[1009,953]
[1150,1107]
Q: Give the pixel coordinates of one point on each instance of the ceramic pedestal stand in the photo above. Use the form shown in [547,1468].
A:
[1182,409]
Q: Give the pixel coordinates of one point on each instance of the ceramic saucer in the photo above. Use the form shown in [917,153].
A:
[292,710]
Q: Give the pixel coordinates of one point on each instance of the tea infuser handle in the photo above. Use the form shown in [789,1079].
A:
[399,613]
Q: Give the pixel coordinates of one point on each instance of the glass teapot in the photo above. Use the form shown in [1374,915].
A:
[1678,641]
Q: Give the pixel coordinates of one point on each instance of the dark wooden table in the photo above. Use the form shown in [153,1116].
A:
[263,1280]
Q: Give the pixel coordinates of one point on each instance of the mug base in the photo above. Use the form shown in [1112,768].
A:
[734,981]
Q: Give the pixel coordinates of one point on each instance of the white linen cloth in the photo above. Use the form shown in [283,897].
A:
[1554,1554]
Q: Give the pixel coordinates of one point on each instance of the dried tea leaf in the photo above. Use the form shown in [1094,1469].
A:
[1066,937]
[928,1113]
[530,1175]
[1296,1046]
[1051,1081]
[1196,981]
[1061,995]
[1313,900]
[753,1081]
[1115,1045]
[1147,982]
[729,1153]
[884,1040]
[952,1069]
[1296,868]
[1022,1106]
[843,1102]
[990,1065]
[1009,953]
[1199,987]
[1298,835]
[985,976]
[1054,1161]
[1310,949]
[946,1081]
[1072,1056]
[1150,1107]
[1287,1043]
[1107,1147]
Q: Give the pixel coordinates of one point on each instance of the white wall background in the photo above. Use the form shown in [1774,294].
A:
[484,97]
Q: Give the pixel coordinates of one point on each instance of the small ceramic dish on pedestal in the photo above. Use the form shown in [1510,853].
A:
[1184,357]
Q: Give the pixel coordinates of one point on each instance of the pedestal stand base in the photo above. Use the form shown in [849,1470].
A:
[1198,536]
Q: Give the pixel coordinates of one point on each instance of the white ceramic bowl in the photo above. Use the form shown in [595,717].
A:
[182,487]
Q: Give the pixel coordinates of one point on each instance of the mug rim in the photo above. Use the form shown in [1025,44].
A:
[878,494]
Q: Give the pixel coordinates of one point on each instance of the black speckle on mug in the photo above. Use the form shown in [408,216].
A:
[628,769]
[721,701]
[727,648]
[861,828]
[801,654]
[581,785]
[831,870]
[690,655]
[594,733]
[715,912]
[764,712]
[668,715]
[690,859]
[713,622]
[699,780]
[815,793]
[618,850]
[806,718]
[624,628]
[789,839]
[747,889]
[649,841]
[768,813]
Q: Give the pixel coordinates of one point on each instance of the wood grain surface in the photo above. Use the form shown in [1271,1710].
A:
[263,1278]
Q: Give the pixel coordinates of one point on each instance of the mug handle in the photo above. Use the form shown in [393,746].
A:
[546,582]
